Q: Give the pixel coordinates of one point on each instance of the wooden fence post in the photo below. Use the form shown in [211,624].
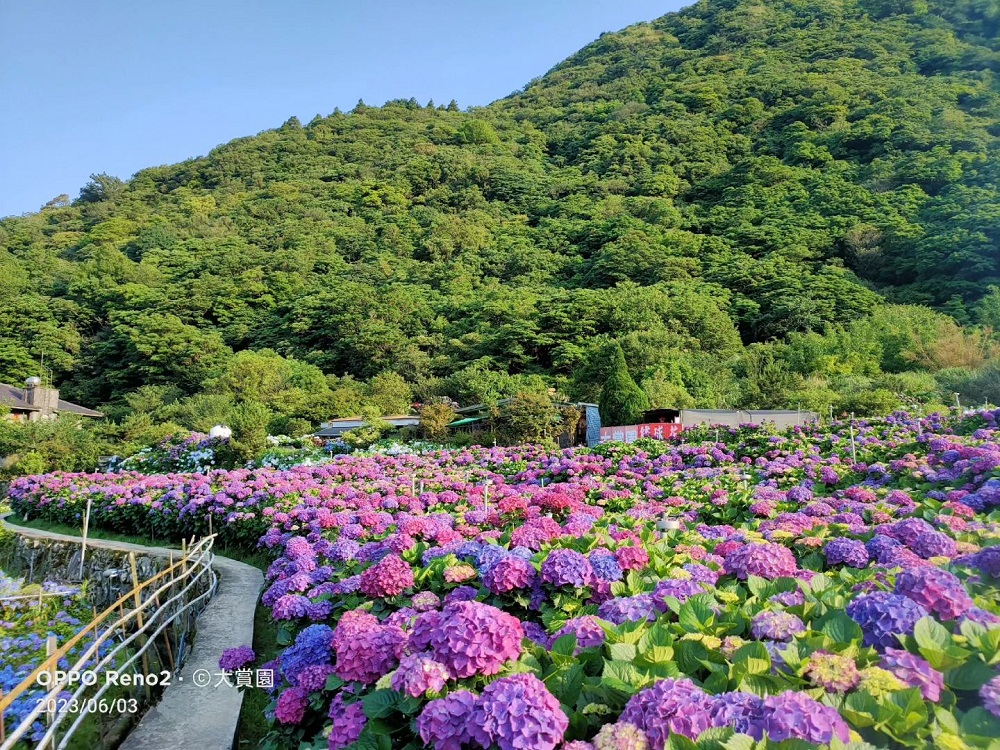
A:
[83,544]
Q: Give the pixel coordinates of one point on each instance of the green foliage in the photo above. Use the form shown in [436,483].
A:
[435,418]
[249,424]
[733,174]
[528,417]
[622,401]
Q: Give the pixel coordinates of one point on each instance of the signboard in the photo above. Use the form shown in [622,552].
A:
[631,433]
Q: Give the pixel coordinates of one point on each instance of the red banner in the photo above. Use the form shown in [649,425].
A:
[631,433]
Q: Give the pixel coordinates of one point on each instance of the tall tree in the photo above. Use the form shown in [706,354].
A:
[622,401]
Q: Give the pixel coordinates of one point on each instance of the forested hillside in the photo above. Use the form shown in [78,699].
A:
[765,202]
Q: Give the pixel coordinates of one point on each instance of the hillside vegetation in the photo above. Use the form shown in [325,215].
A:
[765,203]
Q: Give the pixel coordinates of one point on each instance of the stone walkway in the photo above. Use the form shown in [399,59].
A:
[189,717]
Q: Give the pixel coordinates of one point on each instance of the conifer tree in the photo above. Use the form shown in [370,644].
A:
[622,401]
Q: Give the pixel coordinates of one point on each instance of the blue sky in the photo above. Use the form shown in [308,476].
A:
[118,85]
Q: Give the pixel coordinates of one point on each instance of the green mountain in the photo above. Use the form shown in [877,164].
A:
[809,173]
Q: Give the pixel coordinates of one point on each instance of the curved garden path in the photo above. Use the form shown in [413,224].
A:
[189,717]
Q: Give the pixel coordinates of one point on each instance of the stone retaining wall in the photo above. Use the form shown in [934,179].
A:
[108,572]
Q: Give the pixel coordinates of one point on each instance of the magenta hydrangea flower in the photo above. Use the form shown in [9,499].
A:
[883,616]
[391,576]
[348,723]
[474,638]
[669,706]
[587,629]
[236,658]
[765,560]
[291,706]
[509,574]
[776,626]
[794,715]
[567,567]
[518,713]
[915,672]
[936,590]
[417,675]
[990,695]
[632,558]
[445,723]
[845,551]
[366,649]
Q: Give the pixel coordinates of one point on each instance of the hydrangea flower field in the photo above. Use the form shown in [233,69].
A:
[24,627]
[763,590]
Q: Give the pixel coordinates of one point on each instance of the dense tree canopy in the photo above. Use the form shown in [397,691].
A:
[734,193]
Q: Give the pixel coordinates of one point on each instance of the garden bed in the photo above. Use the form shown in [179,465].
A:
[631,596]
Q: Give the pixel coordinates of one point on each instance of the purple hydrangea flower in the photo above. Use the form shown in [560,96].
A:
[290,607]
[417,675]
[587,629]
[445,724]
[669,706]
[882,616]
[535,633]
[980,616]
[348,723]
[509,574]
[567,567]
[789,598]
[629,609]
[915,672]
[679,588]
[741,711]
[461,594]
[313,677]
[473,638]
[934,544]
[702,573]
[907,530]
[517,713]
[936,590]
[987,560]
[236,658]
[794,715]
[845,551]
[880,546]
[776,626]
[990,695]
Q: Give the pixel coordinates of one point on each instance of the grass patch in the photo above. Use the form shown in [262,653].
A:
[253,726]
